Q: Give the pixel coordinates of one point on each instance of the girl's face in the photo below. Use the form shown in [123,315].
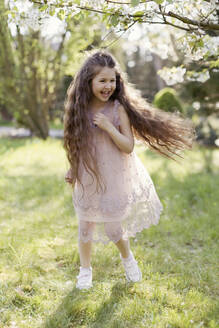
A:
[104,84]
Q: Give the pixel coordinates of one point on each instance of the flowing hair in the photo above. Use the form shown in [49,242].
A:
[166,133]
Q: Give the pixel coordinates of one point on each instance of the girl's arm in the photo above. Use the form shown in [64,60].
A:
[69,177]
[125,139]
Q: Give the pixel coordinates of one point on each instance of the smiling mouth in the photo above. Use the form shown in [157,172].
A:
[105,94]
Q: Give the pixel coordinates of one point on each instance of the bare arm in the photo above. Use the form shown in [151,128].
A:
[124,139]
[69,177]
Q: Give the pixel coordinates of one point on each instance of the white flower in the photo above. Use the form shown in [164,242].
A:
[92,3]
[204,76]
[217,142]
[152,6]
[172,75]
[199,76]
[196,105]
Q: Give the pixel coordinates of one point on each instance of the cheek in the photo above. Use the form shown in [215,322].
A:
[96,86]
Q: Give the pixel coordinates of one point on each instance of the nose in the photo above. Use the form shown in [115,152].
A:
[107,86]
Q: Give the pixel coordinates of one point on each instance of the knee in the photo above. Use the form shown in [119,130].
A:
[85,229]
[113,231]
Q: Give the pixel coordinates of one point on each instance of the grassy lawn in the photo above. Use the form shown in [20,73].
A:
[6,123]
[55,124]
[39,256]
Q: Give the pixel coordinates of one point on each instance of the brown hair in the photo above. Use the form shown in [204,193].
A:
[163,132]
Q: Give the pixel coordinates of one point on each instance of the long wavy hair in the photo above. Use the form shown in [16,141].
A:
[166,133]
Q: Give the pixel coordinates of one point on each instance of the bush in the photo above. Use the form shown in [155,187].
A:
[167,100]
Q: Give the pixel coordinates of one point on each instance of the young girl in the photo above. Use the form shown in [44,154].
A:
[113,194]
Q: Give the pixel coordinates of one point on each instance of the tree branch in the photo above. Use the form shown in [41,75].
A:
[205,26]
[185,20]
[125,3]
[116,39]
[174,25]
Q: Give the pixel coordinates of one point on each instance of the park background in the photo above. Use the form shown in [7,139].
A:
[173,61]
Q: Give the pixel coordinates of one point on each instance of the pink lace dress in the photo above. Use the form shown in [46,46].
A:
[129,203]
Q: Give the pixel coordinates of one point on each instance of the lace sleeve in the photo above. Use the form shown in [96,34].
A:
[116,119]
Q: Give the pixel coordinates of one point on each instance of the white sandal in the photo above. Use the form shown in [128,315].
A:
[132,270]
[84,278]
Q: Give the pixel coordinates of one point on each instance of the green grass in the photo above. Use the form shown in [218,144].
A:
[39,257]
[55,124]
[6,123]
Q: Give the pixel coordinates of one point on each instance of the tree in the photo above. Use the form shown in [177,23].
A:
[198,19]
[32,67]
[203,19]
[192,27]
[30,71]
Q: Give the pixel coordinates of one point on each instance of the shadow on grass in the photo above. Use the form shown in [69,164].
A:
[75,309]
[189,223]
[185,236]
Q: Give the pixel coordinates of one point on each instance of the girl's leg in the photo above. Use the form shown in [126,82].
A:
[85,253]
[114,231]
[124,247]
[84,242]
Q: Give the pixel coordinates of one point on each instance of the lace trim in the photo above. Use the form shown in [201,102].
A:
[139,216]
[108,206]
[100,236]
[138,210]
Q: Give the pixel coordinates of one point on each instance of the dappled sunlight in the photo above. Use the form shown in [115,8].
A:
[37,159]
[143,304]
[192,162]
[39,247]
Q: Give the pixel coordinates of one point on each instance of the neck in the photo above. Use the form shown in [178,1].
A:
[96,103]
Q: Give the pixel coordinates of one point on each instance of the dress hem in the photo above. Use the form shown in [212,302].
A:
[127,234]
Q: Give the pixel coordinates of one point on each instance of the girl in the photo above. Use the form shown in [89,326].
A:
[113,195]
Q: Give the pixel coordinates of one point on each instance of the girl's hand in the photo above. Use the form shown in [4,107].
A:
[69,177]
[102,121]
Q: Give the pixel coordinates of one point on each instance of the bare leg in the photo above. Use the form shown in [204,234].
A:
[113,231]
[132,271]
[124,247]
[85,232]
[85,253]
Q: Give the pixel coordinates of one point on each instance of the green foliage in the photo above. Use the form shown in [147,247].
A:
[167,100]
[214,63]
[32,71]
[61,14]
[39,247]
[114,19]
[159,2]
[135,2]
[201,105]
[43,7]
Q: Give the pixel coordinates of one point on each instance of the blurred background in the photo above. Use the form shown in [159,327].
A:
[42,45]
[39,60]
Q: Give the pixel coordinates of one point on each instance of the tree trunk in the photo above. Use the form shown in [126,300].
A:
[157,63]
